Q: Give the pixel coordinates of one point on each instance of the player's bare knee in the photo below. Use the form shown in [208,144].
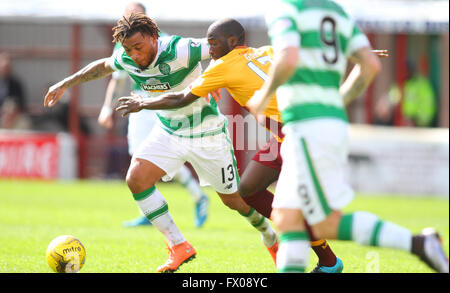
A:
[277,220]
[235,202]
[133,181]
[137,180]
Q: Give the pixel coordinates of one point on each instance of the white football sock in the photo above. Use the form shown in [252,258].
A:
[155,208]
[367,229]
[293,252]
[268,235]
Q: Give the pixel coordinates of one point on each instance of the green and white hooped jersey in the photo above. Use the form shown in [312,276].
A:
[326,36]
[176,66]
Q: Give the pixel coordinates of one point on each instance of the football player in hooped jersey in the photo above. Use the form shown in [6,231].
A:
[313,41]
[160,64]
[139,126]
[242,71]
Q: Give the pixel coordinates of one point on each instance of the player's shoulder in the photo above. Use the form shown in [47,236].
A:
[168,48]
[297,6]
[185,51]
[181,45]
[235,57]
[167,41]
[265,50]
[215,65]
[325,5]
[249,53]
[187,44]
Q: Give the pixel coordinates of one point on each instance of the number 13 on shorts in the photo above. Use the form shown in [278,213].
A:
[228,174]
[227,178]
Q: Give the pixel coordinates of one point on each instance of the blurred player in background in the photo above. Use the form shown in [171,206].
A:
[13,106]
[313,40]
[196,133]
[242,70]
[139,126]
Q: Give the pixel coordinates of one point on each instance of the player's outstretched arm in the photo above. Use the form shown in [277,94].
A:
[105,117]
[366,68]
[136,103]
[94,70]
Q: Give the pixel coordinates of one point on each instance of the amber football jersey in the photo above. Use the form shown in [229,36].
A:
[242,72]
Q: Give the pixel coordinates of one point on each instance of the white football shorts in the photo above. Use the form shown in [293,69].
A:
[314,155]
[140,124]
[212,157]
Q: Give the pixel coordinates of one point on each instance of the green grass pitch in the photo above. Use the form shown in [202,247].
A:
[32,213]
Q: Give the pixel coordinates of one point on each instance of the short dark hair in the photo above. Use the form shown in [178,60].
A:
[135,22]
[230,27]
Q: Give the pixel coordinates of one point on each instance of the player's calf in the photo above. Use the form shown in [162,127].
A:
[367,229]
[235,202]
[261,201]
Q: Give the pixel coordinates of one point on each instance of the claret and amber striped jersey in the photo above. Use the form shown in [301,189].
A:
[242,72]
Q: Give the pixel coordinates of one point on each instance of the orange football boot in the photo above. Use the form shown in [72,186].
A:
[178,255]
[273,251]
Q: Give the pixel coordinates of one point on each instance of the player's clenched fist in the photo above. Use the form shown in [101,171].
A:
[55,92]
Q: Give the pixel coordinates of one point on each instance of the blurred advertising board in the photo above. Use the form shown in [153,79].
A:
[35,155]
[405,161]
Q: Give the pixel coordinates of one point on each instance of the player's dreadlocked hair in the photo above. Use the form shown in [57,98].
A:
[135,22]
